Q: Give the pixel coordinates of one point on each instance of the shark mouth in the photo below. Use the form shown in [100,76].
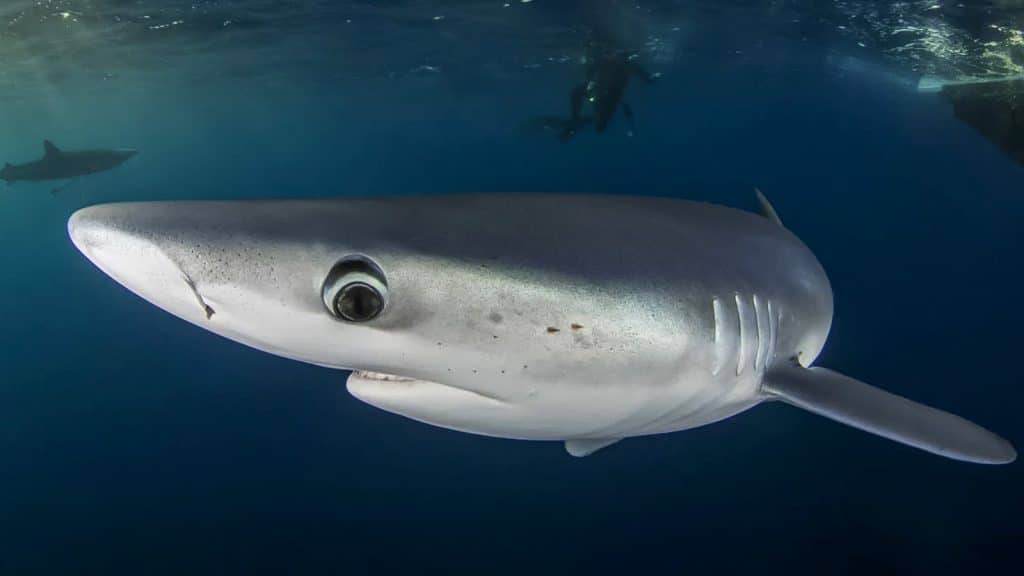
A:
[380,376]
[376,387]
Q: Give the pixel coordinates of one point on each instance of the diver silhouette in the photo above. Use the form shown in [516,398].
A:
[607,72]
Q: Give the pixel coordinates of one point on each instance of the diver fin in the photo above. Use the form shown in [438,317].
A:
[642,72]
[50,148]
[767,210]
[581,447]
[854,403]
[627,111]
[576,97]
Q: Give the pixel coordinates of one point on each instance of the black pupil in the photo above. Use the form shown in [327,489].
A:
[358,302]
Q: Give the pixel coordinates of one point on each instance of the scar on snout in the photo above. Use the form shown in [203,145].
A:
[552,330]
[199,298]
[495,317]
[576,326]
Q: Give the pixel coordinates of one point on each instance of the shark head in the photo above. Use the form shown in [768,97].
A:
[116,157]
[89,161]
[5,173]
[443,310]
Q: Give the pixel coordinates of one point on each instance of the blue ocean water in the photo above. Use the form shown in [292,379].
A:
[132,442]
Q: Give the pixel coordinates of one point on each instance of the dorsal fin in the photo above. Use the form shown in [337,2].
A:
[50,148]
[767,210]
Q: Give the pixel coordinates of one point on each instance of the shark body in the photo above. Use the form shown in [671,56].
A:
[584,319]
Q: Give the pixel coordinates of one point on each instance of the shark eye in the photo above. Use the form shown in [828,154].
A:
[355,290]
[358,302]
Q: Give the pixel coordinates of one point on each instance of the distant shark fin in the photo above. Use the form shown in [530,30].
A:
[767,210]
[854,403]
[50,148]
[581,447]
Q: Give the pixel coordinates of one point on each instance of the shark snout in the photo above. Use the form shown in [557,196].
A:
[122,155]
[86,230]
[107,236]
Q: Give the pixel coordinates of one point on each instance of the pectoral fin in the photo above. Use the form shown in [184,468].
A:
[873,410]
[581,447]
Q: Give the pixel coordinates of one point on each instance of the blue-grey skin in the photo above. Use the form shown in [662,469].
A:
[533,316]
[58,164]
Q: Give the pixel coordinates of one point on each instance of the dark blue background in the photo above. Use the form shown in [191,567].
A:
[132,442]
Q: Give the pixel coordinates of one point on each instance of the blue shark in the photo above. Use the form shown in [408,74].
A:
[577,318]
[57,164]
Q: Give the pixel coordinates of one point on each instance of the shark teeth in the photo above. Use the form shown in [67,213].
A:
[382,377]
